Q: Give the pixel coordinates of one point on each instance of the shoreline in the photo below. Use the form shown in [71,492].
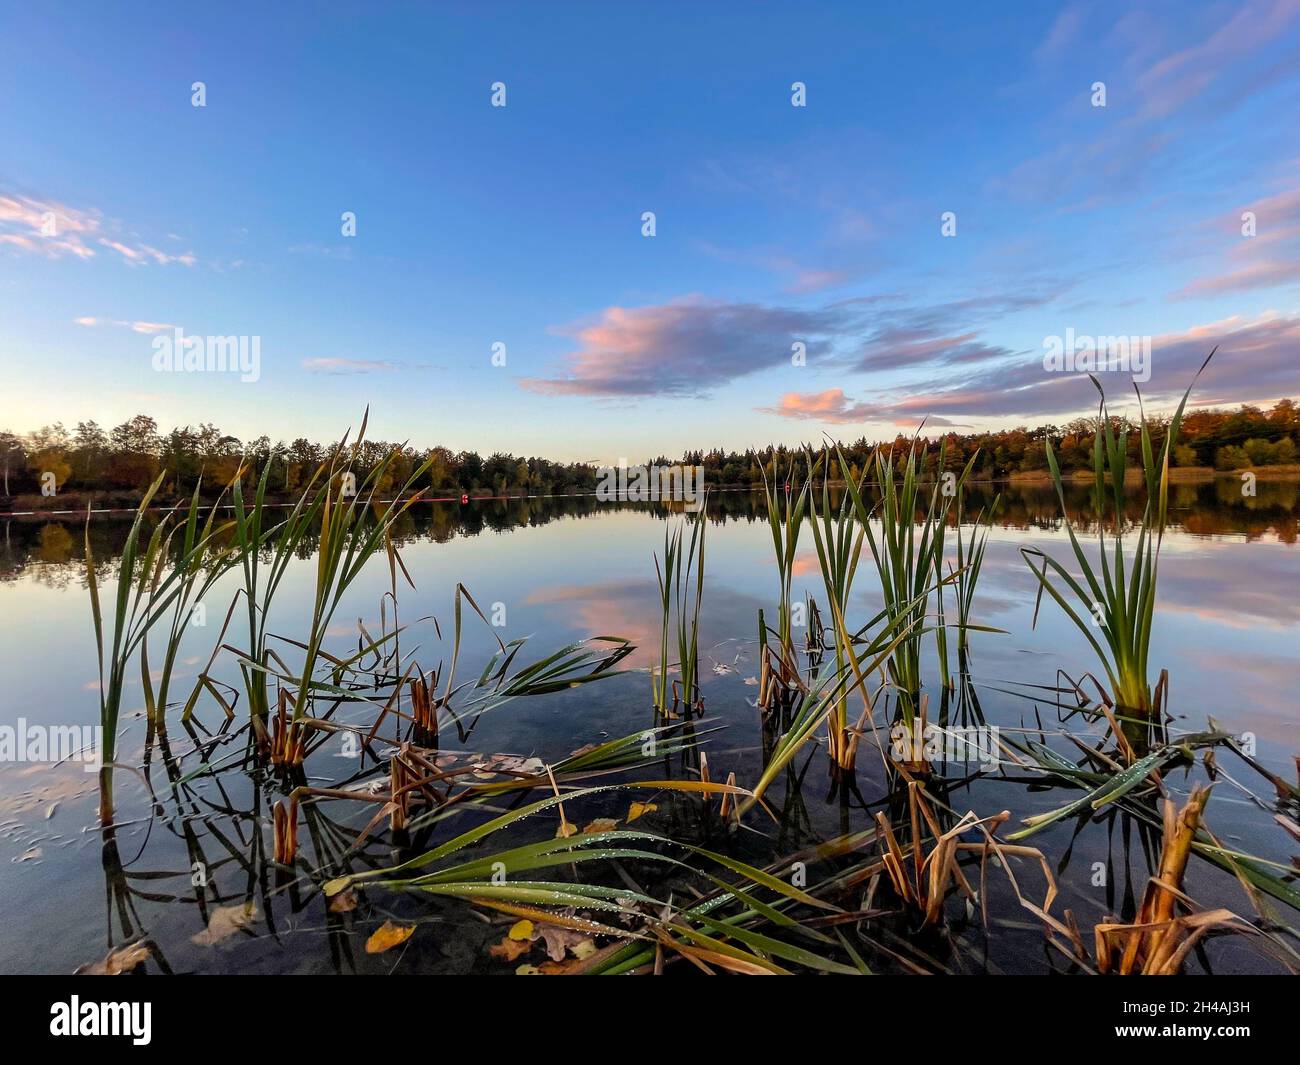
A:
[79,504]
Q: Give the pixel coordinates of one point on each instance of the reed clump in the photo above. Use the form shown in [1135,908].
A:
[1113,607]
[681,594]
[1159,939]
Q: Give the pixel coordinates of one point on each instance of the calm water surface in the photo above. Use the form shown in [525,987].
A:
[1226,629]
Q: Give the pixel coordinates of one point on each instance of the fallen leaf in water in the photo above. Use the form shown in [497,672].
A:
[522,930]
[225,921]
[345,903]
[583,749]
[751,682]
[387,936]
[530,766]
[510,949]
[638,808]
[31,854]
[547,968]
[566,830]
[119,961]
[722,669]
[601,824]
[558,968]
[561,940]
[509,763]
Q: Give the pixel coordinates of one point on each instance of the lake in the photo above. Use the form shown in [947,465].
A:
[187,846]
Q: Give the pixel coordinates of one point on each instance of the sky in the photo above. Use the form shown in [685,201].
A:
[950,195]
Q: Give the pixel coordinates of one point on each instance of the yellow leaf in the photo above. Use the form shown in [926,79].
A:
[638,808]
[528,970]
[566,830]
[601,824]
[387,936]
[509,949]
[521,930]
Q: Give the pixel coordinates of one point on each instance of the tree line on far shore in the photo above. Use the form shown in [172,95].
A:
[128,458]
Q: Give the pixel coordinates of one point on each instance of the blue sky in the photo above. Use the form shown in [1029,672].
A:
[522,225]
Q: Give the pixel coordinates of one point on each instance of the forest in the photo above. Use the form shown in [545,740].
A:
[125,460]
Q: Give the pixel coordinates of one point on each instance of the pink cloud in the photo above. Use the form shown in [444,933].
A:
[1269,259]
[1256,363]
[691,345]
[52,230]
[684,347]
[832,405]
[1263,274]
[1180,77]
[134,326]
[809,280]
[45,227]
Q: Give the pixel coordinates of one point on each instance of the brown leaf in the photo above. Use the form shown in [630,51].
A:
[510,949]
[344,903]
[561,940]
[601,824]
[387,936]
[119,961]
[224,922]
[558,968]
[548,968]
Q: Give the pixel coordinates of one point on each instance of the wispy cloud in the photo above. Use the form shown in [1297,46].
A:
[1063,32]
[1266,273]
[799,278]
[53,230]
[1164,103]
[347,366]
[1180,77]
[944,333]
[45,228]
[138,327]
[1269,259]
[142,254]
[325,251]
[1256,363]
